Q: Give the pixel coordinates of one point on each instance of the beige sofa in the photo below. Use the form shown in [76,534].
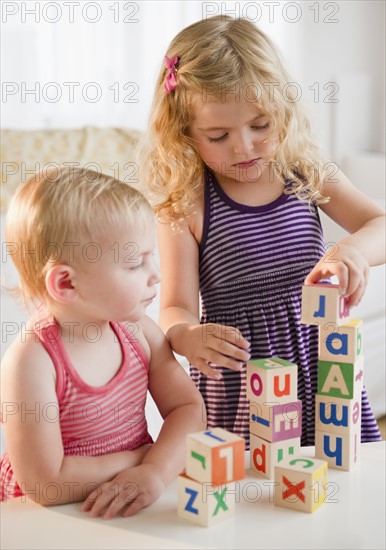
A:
[112,151]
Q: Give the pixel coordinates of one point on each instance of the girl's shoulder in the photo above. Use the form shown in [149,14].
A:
[26,357]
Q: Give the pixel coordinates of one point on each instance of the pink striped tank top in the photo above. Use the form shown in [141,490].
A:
[94,420]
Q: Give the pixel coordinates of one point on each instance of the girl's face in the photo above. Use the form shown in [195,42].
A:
[119,283]
[234,139]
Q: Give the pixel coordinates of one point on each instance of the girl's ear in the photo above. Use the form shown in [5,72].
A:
[60,283]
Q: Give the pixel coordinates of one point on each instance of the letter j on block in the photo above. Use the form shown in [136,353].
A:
[322,303]
[215,456]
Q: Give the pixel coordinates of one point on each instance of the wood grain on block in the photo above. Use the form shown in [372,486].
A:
[301,484]
[205,503]
[265,455]
[322,304]
[341,343]
[215,455]
[344,380]
[272,380]
[337,415]
[341,451]
[276,422]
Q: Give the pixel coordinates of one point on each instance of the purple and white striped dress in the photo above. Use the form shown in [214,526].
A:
[253,262]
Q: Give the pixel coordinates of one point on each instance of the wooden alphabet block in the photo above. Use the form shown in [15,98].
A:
[276,422]
[215,456]
[265,455]
[301,484]
[342,343]
[335,415]
[205,503]
[272,380]
[322,303]
[340,451]
[337,379]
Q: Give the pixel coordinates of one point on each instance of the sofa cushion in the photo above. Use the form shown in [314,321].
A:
[24,152]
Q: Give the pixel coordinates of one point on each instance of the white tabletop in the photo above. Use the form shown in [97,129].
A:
[352,517]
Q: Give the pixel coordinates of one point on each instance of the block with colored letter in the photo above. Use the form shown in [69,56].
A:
[336,415]
[205,503]
[272,380]
[340,451]
[337,379]
[322,303]
[215,456]
[276,422]
[343,343]
[265,455]
[301,484]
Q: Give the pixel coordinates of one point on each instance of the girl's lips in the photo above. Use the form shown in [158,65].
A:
[247,163]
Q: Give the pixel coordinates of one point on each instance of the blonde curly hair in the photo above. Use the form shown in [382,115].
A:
[217,56]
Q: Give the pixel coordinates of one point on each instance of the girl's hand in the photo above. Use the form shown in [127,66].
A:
[351,268]
[210,344]
[126,494]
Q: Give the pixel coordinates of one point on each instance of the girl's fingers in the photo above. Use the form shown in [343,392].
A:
[228,334]
[128,496]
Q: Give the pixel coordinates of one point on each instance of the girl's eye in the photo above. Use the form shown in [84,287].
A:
[266,125]
[136,265]
[216,140]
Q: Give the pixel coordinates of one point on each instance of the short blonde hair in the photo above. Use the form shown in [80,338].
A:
[217,56]
[59,207]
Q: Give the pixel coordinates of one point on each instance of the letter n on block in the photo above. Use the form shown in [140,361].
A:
[205,503]
[301,484]
[322,303]
[340,451]
[272,380]
[215,456]
[265,455]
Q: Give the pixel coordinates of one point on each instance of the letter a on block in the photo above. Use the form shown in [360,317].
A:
[335,380]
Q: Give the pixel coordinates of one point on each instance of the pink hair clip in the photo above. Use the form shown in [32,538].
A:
[170,80]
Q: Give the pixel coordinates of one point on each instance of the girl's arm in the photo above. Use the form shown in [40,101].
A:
[183,411]
[179,308]
[364,247]
[33,437]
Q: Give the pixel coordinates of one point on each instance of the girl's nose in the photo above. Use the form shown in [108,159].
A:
[155,276]
[243,143]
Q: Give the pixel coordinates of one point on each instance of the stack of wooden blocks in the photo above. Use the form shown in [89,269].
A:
[275,432]
[215,461]
[216,457]
[275,413]
[340,375]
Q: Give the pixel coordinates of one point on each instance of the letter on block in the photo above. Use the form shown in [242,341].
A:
[215,456]
[338,416]
[322,303]
[205,503]
[272,381]
[342,343]
[340,451]
[301,484]
[337,379]
[265,456]
[276,422]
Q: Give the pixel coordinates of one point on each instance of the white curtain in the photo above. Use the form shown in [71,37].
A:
[76,63]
